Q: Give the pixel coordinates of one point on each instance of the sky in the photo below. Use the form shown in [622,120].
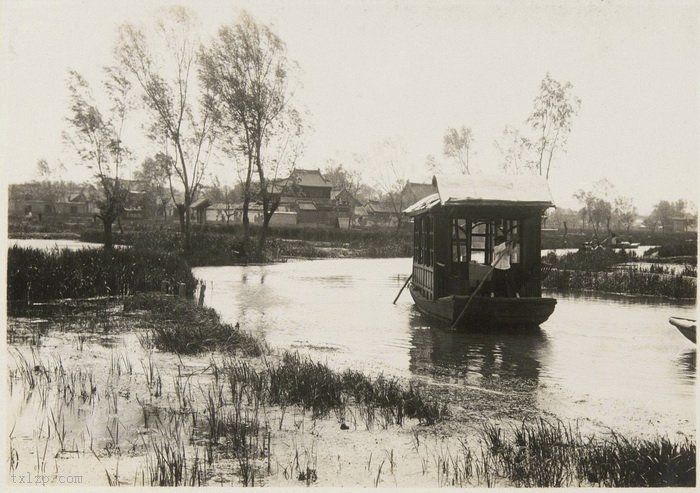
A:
[406,71]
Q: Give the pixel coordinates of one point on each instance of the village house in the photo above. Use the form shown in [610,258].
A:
[413,192]
[376,214]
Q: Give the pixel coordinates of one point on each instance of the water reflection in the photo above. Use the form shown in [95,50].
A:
[687,363]
[472,357]
[612,358]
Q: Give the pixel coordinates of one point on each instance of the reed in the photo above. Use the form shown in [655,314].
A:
[40,275]
[183,327]
[543,454]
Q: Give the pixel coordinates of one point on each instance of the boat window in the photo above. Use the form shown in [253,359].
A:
[459,240]
[481,241]
[427,256]
[417,234]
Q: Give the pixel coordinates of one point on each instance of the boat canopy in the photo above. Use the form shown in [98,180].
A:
[485,190]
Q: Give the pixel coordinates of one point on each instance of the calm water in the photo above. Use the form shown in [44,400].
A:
[52,244]
[609,360]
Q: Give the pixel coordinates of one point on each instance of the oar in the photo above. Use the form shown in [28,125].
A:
[464,310]
[402,288]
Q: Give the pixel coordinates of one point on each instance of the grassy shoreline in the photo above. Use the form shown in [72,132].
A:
[230,410]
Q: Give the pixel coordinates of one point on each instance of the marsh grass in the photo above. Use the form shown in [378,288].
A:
[596,270]
[312,385]
[543,454]
[40,275]
[185,328]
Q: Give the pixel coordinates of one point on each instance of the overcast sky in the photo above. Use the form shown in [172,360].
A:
[406,70]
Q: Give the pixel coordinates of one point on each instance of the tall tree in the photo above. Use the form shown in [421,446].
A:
[164,67]
[624,212]
[388,159]
[340,177]
[596,208]
[458,144]
[154,173]
[247,74]
[513,149]
[97,138]
[554,108]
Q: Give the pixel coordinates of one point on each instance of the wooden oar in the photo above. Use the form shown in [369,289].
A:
[402,288]
[464,310]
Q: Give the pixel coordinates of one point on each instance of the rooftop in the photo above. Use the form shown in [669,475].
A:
[520,190]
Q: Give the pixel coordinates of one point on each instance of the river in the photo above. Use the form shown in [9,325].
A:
[611,361]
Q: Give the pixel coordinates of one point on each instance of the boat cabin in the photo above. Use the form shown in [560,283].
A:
[455,231]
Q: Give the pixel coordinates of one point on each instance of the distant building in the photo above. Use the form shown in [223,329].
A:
[413,192]
[308,193]
[679,225]
[198,210]
[377,214]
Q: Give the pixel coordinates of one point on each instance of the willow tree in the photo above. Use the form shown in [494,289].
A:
[163,66]
[554,108]
[96,135]
[458,144]
[247,76]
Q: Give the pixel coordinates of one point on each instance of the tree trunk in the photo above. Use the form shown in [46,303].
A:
[263,236]
[246,220]
[107,224]
[181,215]
[188,233]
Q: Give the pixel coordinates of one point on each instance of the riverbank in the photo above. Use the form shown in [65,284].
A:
[108,394]
[610,271]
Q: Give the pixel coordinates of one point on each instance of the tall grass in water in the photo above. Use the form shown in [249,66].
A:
[542,454]
[586,270]
[315,386]
[620,462]
[627,281]
[185,328]
[40,275]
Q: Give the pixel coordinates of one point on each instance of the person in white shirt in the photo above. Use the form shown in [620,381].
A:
[501,282]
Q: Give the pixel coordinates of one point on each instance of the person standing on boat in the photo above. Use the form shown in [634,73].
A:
[502,282]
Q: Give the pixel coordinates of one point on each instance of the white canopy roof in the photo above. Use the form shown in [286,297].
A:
[520,190]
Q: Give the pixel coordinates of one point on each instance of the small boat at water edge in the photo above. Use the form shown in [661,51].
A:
[685,326]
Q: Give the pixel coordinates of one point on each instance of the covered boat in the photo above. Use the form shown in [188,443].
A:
[454,232]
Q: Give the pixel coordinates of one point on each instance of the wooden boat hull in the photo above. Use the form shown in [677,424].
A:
[685,326]
[487,312]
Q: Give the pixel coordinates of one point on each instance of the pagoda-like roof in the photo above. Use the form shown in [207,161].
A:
[486,190]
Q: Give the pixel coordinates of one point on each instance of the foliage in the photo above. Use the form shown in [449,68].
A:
[591,270]
[664,212]
[98,140]
[39,275]
[601,259]
[513,147]
[246,74]
[543,454]
[167,86]
[182,327]
[154,175]
[624,212]
[458,144]
[551,117]
[315,386]
[676,249]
